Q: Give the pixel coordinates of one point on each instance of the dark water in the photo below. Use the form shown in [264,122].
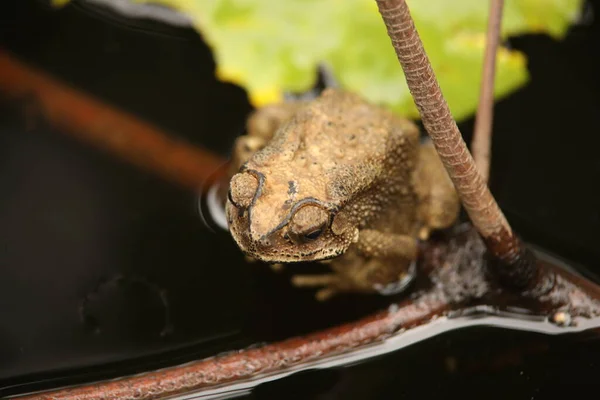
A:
[107,270]
[457,364]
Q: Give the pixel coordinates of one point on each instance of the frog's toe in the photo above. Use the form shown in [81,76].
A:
[399,285]
[326,293]
[330,284]
[424,233]
[249,259]
[314,280]
[278,267]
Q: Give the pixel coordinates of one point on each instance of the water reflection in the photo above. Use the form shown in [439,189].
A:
[488,317]
[210,205]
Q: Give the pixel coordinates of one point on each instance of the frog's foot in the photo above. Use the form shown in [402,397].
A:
[331,283]
[399,286]
[380,262]
[325,79]
[337,283]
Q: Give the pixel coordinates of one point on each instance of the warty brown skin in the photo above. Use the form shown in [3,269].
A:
[340,179]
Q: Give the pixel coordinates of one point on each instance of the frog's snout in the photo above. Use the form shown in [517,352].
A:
[265,242]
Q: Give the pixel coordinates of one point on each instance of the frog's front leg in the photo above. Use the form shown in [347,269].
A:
[243,148]
[378,262]
[260,129]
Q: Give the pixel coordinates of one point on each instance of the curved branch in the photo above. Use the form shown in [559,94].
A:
[107,127]
[481,144]
[516,267]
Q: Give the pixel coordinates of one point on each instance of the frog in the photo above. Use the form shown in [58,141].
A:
[340,181]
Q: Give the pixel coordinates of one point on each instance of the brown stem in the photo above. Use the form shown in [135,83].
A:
[482,143]
[107,127]
[435,114]
[244,364]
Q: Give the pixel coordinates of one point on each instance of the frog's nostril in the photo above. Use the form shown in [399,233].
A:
[264,241]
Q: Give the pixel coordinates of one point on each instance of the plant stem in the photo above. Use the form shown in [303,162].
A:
[515,267]
[107,127]
[482,143]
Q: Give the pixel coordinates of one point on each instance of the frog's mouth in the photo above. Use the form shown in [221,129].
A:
[294,255]
[275,246]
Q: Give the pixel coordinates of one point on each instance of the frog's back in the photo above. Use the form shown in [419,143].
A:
[342,151]
[340,132]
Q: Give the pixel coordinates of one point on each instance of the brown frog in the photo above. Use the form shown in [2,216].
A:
[337,179]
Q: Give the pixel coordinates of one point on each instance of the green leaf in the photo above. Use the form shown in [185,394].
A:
[272,46]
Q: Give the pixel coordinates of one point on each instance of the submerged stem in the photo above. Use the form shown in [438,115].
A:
[515,267]
[482,143]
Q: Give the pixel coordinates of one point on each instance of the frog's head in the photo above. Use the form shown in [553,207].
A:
[272,220]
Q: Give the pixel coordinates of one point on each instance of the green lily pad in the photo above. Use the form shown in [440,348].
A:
[273,46]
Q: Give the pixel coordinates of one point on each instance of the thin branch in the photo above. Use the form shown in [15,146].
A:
[515,268]
[482,137]
[270,359]
[107,127]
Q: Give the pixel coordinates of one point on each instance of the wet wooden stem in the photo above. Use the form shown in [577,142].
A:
[482,143]
[514,268]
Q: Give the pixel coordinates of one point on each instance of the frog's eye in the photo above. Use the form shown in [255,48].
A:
[314,234]
[308,223]
[242,188]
